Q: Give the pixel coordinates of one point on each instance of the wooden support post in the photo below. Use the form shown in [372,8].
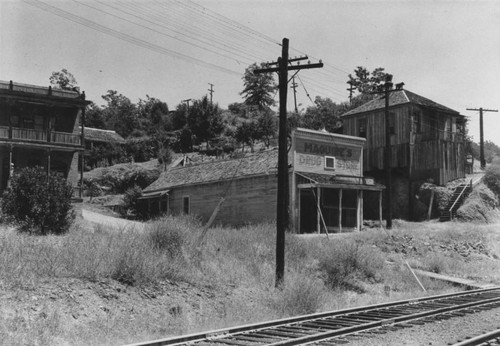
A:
[340,210]
[380,208]
[48,163]
[429,212]
[318,212]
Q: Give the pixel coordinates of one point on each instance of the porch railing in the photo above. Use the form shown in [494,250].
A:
[31,135]
[4,132]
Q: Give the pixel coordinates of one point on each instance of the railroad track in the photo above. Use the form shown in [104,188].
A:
[487,339]
[334,327]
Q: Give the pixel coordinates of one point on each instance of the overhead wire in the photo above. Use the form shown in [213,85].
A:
[216,40]
[124,37]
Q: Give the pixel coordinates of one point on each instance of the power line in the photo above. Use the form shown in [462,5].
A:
[124,37]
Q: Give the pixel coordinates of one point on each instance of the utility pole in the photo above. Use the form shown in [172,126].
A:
[388,150]
[282,217]
[211,90]
[187,101]
[350,89]
[294,87]
[481,133]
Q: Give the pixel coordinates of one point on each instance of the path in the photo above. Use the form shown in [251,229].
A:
[110,221]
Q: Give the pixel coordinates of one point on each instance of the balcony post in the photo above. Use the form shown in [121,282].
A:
[48,163]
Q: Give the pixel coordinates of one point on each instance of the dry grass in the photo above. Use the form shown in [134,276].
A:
[343,271]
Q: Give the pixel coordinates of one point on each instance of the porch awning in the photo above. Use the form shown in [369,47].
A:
[154,194]
[309,180]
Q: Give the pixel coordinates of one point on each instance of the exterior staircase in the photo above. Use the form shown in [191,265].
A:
[459,195]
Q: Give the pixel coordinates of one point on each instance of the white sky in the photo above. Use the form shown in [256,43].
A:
[448,51]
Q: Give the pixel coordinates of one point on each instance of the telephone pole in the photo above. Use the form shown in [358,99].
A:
[350,89]
[211,90]
[481,132]
[388,150]
[294,87]
[187,101]
[282,216]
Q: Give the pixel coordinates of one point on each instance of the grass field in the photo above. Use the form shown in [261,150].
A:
[102,286]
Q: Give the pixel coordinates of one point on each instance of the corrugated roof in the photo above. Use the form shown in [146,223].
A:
[264,162]
[396,98]
[100,135]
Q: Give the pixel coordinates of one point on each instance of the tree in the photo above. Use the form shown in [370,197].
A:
[366,82]
[120,113]
[37,202]
[204,120]
[325,114]
[94,116]
[258,89]
[63,80]
[153,115]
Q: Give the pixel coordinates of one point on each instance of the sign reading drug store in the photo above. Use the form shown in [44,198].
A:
[327,153]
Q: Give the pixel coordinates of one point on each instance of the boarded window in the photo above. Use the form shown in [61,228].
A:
[362,127]
[392,123]
[185,205]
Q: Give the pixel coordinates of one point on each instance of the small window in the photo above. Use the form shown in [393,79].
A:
[185,205]
[329,163]
[362,127]
[392,123]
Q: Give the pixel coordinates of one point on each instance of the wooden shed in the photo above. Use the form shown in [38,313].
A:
[326,186]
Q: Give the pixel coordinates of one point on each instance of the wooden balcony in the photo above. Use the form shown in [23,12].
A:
[37,136]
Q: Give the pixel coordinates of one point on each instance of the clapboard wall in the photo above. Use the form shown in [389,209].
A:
[248,199]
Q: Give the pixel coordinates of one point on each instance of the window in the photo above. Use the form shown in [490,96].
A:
[329,163]
[362,127]
[392,123]
[416,122]
[185,205]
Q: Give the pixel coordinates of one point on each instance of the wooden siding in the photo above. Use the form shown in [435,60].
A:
[249,200]
[422,142]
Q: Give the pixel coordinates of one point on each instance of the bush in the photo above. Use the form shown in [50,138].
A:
[300,294]
[38,203]
[492,177]
[347,262]
[131,202]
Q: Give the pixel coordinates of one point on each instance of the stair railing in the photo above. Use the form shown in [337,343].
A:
[459,197]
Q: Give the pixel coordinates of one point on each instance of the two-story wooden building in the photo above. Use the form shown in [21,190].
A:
[426,139]
[326,186]
[40,126]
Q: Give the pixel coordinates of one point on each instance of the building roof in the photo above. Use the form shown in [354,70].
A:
[100,135]
[42,94]
[396,98]
[264,162]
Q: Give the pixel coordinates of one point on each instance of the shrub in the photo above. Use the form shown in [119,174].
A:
[166,237]
[492,177]
[131,202]
[38,203]
[342,264]
[300,294]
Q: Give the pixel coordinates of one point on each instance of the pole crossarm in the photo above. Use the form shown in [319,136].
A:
[289,60]
[481,110]
[290,68]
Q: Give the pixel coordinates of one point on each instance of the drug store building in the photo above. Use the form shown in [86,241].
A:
[326,190]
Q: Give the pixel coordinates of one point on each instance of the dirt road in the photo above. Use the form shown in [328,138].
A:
[109,221]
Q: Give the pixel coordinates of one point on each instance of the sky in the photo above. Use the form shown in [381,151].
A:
[447,51]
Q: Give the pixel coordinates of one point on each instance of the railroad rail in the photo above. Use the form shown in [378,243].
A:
[335,325]
[490,339]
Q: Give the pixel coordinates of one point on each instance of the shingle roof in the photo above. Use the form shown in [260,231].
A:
[255,164]
[100,135]
[396,98]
